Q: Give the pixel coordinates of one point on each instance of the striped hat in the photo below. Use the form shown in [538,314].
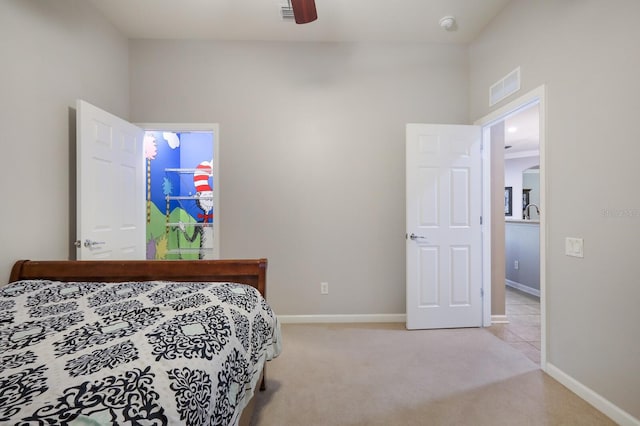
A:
[201,176]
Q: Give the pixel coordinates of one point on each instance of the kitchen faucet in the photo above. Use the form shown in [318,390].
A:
[527,214]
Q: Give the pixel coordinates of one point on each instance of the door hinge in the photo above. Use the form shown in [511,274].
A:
[481,292]
[480,220]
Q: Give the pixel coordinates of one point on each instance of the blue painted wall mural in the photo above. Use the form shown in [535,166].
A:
[180,189]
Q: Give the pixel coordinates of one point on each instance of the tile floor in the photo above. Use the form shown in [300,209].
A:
[523,330]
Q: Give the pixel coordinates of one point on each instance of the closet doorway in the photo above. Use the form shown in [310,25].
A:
[182,191]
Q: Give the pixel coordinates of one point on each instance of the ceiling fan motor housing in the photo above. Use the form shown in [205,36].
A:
[304,11]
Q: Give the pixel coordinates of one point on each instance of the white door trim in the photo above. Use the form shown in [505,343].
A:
[199,127]
[536,95]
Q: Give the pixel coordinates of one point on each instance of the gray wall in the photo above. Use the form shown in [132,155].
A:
[311,153]
[313,144]
[522,243]
[52,53]
[590,68]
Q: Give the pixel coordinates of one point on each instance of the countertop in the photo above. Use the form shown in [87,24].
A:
[524,221]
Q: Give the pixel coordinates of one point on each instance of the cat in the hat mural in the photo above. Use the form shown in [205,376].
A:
[204,201]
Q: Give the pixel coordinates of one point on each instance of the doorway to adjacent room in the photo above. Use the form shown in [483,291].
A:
[497,288]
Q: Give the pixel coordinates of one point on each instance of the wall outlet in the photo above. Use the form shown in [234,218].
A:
[516,264]
[324,288]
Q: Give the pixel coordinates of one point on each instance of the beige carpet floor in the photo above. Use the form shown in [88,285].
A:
[382,374]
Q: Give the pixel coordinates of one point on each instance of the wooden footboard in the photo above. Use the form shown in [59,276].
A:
[251,271]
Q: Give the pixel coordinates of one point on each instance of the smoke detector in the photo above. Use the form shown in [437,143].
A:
[448,23]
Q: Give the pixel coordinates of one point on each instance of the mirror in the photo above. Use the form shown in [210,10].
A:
[531,192]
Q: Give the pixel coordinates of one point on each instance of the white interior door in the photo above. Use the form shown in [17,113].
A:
[110,186]
[444,233]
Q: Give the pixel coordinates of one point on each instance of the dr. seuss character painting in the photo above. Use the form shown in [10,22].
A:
[180,195]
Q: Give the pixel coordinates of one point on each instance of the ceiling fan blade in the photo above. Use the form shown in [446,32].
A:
[304,11]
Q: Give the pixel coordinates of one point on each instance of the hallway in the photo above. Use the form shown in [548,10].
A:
[523,330]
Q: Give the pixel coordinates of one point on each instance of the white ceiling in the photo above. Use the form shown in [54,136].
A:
[522,131]
[338,20]
[409,21]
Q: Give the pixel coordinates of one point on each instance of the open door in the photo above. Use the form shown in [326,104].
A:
[444,231]
[110,186]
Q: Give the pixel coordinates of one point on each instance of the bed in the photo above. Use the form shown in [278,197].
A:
[134,342]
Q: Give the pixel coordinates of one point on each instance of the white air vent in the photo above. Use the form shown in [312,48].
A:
[504,87]
[287,12]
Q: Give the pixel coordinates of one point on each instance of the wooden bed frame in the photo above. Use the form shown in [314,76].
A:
[252,272]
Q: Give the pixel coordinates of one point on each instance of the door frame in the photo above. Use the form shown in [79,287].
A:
[199,127]
[537,95]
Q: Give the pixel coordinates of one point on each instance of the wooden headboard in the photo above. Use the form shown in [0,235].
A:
[247,271]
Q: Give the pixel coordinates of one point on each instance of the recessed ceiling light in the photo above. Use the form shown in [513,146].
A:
[512,129]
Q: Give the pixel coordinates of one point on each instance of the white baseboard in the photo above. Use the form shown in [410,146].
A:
[308,319]
[328,319]
[523,288]
[499,319]
[614,412]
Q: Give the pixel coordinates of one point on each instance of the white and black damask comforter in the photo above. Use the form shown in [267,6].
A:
[133,353]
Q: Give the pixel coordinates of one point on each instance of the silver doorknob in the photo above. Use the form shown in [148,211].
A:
[91,244]
[416,237]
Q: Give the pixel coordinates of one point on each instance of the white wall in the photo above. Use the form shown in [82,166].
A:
[52,53]
[312,153]
[590,67]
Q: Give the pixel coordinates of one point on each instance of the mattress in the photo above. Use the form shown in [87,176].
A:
[152,352]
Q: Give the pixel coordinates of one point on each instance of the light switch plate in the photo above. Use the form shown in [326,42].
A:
[574,247]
